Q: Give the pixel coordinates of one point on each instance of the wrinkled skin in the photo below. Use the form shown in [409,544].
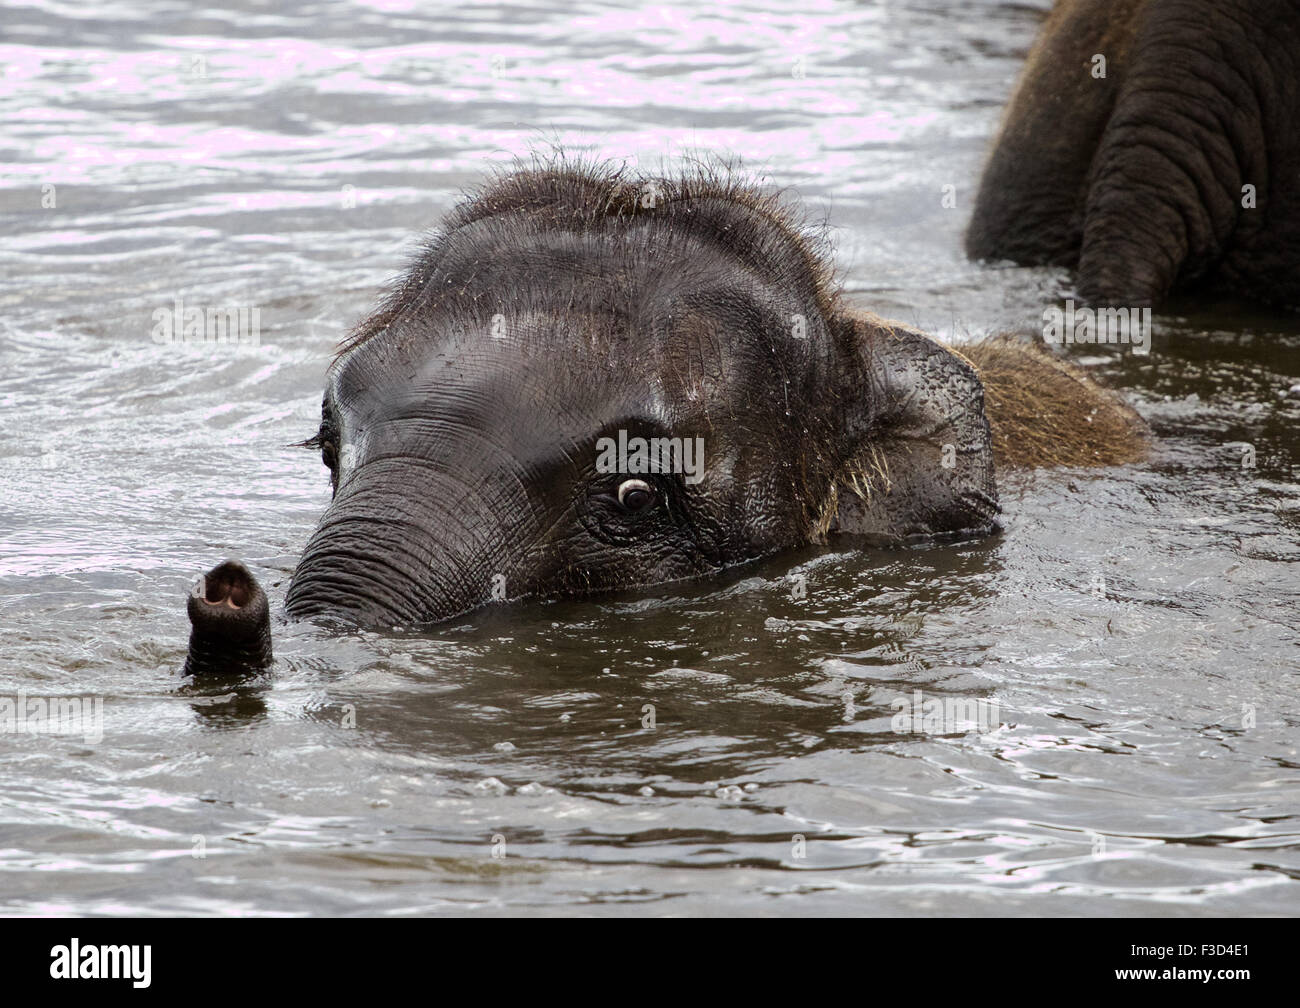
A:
[1135,181]
[461,422]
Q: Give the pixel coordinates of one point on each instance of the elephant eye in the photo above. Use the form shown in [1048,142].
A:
[329,455]
[635,494]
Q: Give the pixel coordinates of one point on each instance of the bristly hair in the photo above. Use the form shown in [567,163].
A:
[566,192]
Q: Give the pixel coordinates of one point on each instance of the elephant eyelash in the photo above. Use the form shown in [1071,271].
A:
[324,434]
[323,441]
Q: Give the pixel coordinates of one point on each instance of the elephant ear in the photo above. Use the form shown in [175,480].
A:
[920,454]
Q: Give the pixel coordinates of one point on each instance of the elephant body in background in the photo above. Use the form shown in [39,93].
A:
[1153,146]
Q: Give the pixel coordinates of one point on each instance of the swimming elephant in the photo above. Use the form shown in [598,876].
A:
[588,381]
[1152,146]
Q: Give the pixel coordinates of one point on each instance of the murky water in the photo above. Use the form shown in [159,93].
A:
[1131,639]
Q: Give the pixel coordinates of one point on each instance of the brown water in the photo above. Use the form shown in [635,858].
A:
[1132,636]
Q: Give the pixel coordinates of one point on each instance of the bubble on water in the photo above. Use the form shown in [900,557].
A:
[647,792]
[729,793]
[490,785]
[566,717]
[504,747]
[535,788]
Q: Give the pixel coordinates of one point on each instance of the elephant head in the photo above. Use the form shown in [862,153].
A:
[587,381]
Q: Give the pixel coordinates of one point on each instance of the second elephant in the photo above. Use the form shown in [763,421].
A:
[1152,146]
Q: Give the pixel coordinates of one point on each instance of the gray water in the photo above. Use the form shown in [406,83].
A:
[1132,636]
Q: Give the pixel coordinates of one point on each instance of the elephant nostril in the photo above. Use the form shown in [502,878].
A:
[228,586]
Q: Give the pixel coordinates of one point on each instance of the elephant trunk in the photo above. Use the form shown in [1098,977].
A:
[401,546]
[230,624]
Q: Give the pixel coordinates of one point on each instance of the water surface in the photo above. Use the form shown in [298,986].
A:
[1134,630]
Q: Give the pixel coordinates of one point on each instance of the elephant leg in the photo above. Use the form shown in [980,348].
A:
[1029,207]
[1187,136]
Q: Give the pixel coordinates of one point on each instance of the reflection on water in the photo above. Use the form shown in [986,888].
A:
[1130,643]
